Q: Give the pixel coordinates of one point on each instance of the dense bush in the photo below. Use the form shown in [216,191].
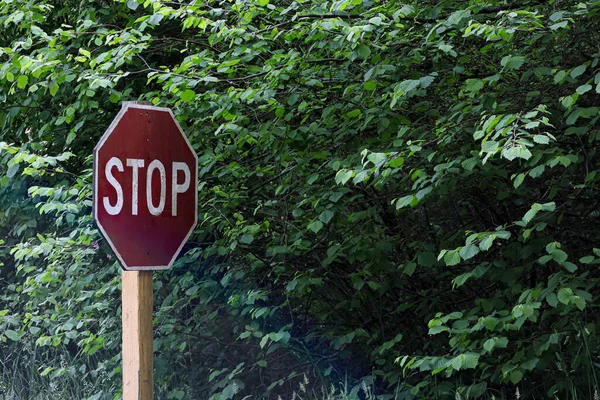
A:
[400,192]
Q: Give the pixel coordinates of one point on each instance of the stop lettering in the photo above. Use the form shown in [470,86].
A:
[155,166]
[145,187]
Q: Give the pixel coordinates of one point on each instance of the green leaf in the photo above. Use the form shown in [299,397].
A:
[501,342]
[541,139]
[426,81]
[584,88]
[363,51]
[587,259]
[452,257]
[544,259]
[312,179]
[469,251]
[396,162]
[474,85]
[578,301]
[408,85]
[22,81]
[476,390]
[354,113]
[567,102]
[132,4]
[489,146]
[264,341]
[377,158]
[489,345]
[12,335]
[529,215]
[537,171]
[529,365]
[486,242]
[516,376]
[518,180]
[70,137]
[512,152]
[291,285]
[404,201]
[469,163]
[434,330]
[569,266]
[192,290]
[552,299]
[495,343]
[54,89]
[315,226]
[559,256]
[247,238]
[155,19]
[361,176]
[559,77]
[370,85]
[409,268]
[565,295]
[187,95]
[461,279]
[490,323]
[12,170]
[578,71]
[406,10]
[559,25]
[326,216]
[512,62]
[343,176]
[456,17]
[465,361]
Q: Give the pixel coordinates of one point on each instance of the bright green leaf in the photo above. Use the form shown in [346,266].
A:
[187,95]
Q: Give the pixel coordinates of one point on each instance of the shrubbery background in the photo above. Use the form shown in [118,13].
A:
[399,193]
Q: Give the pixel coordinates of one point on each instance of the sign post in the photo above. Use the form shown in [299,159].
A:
[145,205]
[138,371]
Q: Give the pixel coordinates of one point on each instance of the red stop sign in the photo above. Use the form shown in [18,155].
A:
[145,187]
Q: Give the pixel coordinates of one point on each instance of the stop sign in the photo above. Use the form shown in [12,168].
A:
[145,187]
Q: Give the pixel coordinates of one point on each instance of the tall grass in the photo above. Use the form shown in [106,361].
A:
[51,373]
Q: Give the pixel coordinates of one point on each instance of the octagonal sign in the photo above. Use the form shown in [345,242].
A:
[145,187]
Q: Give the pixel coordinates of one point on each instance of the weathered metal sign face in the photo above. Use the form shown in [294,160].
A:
[145,187]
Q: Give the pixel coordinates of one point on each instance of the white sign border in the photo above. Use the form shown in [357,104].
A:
[97,148]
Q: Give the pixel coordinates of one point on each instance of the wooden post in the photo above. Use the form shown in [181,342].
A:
[138,369]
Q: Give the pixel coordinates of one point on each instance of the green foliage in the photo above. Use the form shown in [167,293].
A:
[401,190]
